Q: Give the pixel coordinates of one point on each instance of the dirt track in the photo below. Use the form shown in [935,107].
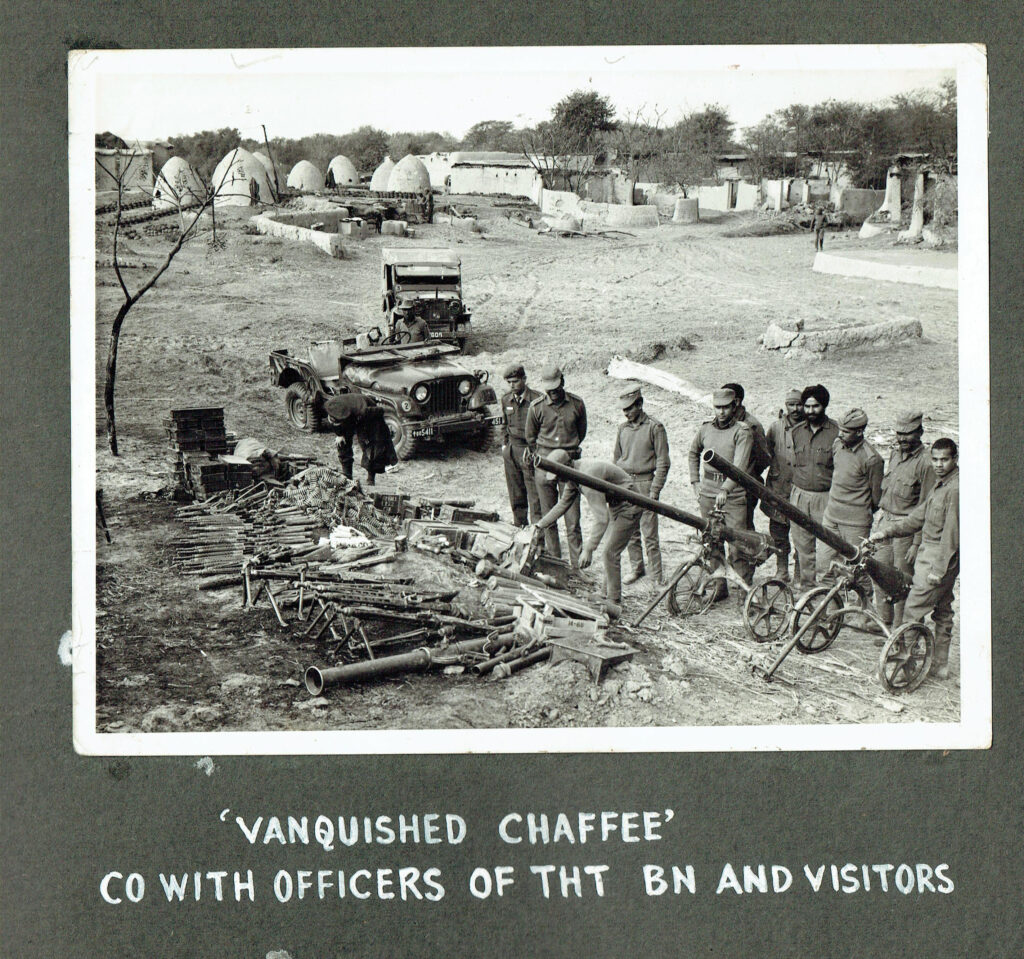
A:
[684,298]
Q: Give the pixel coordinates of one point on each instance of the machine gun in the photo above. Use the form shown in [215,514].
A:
[895,583]
[713,533]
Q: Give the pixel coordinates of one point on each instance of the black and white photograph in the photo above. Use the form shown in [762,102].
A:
[573,399]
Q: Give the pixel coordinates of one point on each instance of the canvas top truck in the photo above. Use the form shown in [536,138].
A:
[426,283]
[427,394]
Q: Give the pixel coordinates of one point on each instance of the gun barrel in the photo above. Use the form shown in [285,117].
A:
[894,582]
[752,542]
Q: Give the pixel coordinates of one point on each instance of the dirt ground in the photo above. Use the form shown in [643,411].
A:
[684,298]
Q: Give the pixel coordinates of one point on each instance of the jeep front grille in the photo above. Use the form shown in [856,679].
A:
[444,397]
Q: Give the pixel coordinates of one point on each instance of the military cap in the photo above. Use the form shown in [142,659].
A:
[909,422]
[817,392]
[630,396]
[855,419]
[794,396]
[514,369]
[551,377]
[723,396]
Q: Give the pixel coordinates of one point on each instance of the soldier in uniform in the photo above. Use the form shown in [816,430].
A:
[759,458]
[519,478]
[734,440]
[937,564]
[415,326]
[641,449]
[906,485]
[780,481]
[619,519]
[353,416]
[809,451]
[557,421]
[856,488]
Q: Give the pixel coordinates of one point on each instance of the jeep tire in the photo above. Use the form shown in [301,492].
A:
[302,409]
[401,435]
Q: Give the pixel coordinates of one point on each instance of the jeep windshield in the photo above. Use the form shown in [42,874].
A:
[423,277]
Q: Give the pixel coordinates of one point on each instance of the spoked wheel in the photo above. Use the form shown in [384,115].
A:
[827,625]
[907,657]
[694,593]
[766,608]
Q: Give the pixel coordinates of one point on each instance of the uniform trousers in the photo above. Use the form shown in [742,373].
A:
[806,545]
[893,552]
[925,598]
[623,524]
[522,487]
[646,535]
[736,517]
[548,494]
[853,533]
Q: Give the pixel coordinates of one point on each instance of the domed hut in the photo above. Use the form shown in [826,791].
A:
[343,171]
[177,186]
[268,165]
[410,175]
[305,177]
[379,180]
[234,177]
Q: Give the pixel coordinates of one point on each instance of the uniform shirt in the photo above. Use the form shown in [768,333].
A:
[734,443]
[599,504]
[556,426]
[856,483]
[759,458]
[642,447]
[938,520]
[909,481]
[416,327]
[780,470]
[515,408]
[810,452]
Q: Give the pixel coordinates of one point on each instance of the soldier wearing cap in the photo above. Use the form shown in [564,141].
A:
[641,449]
[557,421]
[809,451]
[937,564]
[856,490]
[620,520]
[759,458]
[780,480]
[734,440]
[519,478]
[907,483]
[416,328]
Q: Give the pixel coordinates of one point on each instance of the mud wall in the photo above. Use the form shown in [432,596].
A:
[295,227]
[515,181]
[858,204]
[714,197]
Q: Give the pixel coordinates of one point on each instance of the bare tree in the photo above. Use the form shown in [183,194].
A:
[184,195]
[637,143]
[558,153]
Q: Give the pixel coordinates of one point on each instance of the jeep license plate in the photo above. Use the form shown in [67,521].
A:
[422,431]
[436,334]
[496,420]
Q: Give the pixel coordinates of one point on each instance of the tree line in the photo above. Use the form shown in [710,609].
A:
[585,129]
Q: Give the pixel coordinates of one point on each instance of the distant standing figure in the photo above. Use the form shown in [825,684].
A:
[780,480]
[519,476]
[641,449]
[354,416]
[254,192]
[818,224]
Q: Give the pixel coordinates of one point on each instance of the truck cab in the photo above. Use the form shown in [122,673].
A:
[425,284]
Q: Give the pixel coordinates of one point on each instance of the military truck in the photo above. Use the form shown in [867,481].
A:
[427,394]
[426,283]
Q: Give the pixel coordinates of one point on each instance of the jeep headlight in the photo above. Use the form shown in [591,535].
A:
[465,387]
[420,394]
[455,308]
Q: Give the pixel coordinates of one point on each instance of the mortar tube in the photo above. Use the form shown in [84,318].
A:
[508,668]
[318,679]
[482,669]
[894,582]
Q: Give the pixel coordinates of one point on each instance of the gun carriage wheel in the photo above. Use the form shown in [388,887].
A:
[906,658]
[828,612]
[694,593]
[766,610]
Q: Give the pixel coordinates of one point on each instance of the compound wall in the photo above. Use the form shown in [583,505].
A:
[296,226]
[515,181]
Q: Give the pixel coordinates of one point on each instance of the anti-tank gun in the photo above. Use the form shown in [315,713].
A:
[694,586]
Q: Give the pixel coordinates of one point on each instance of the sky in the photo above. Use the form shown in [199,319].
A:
[158,94]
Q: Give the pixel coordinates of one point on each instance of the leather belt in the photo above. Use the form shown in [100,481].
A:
[713,476]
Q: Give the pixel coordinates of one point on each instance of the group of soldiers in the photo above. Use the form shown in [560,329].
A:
[824,467]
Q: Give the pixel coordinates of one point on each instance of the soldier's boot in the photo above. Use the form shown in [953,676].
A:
[796,567]
[940,661]
[631,577]
[782,566]
[897,614]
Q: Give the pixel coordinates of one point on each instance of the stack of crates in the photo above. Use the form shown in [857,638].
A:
[198,428]
[203,464]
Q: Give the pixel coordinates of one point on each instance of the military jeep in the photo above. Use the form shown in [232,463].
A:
[427,394]
[425,283]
